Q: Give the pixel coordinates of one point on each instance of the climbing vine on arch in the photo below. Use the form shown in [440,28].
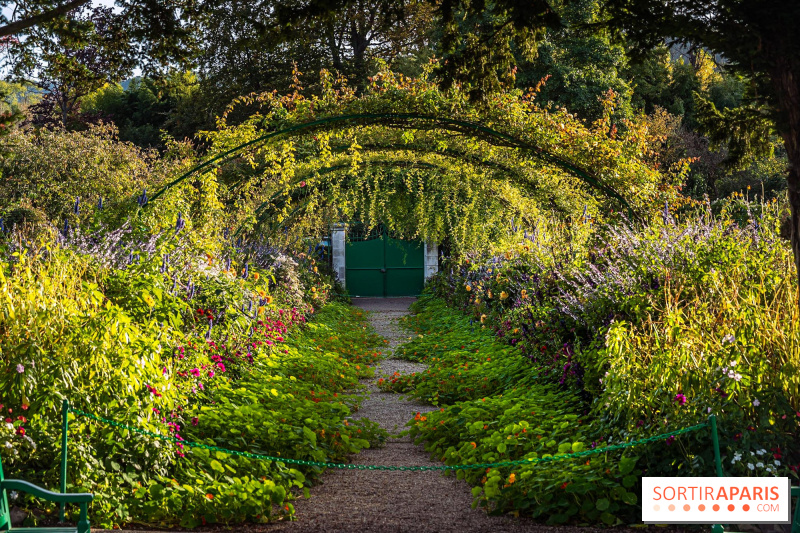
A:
[426,162]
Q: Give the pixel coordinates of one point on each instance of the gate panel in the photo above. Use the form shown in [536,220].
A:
[383,266]
[405,267]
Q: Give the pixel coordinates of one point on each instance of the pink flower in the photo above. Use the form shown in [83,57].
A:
[211,373]
[195,372]
[195,420]
[680,398]
[221,367]
[20,369]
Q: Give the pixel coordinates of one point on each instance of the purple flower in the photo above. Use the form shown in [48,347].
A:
[195,420]
[670,440]
[20,369]
[680,398]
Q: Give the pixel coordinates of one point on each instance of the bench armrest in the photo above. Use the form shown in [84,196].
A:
[33,490]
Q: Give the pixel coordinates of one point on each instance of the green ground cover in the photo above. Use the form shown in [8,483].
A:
[196,360]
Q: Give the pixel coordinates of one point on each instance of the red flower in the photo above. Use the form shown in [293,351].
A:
[21,431]
[200,311]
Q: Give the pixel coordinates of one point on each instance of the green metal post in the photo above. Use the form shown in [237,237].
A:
[712,422]
[64,427]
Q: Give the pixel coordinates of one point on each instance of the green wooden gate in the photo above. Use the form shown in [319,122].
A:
[379,265]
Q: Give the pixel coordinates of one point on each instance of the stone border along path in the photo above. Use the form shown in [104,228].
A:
[375,501]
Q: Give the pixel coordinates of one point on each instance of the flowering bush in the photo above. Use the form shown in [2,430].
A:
[210,347]
[654,328]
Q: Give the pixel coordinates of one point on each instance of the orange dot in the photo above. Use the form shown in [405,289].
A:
[686,507]
[716,507]
[671,507]
[701,507]
[746,507]
[731,507]
[656,507]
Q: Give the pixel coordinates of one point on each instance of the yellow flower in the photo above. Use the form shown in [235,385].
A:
[489,295]
[468,287]
[262,293]
[508,255]
[313,289]
[269,299]
[524,294]
[149,300]
[503,295]
[315,270]
[260,309]
[483,319]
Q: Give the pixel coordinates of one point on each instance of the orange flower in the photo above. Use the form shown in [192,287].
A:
[210,496]
[256,275]
[512,478]
[269,299]
[474,445]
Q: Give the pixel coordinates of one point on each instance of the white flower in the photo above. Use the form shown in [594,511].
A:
[8,445]
[728,339]
[733,363]
[759,465]
[750,466]
[777,463]
[762,451]
[752,453]
[709,409]
[13,494]
[10,426]
[756,402]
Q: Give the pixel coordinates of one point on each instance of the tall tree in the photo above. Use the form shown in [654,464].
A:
[160,32]
[758,39]
[68,67]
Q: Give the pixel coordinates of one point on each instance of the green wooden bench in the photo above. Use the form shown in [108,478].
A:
[62,498]
[7,485]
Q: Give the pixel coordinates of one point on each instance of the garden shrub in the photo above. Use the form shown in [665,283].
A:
[653,328]
[46,170]
[496,408]
[209,347]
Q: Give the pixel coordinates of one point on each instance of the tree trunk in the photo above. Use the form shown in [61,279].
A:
[786,82]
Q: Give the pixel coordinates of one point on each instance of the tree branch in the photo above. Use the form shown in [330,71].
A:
[20,25]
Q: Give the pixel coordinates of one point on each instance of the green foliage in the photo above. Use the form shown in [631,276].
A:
[172,343]
[148,109]
[658,326]
[579,66]
[421,180]
[46,170]
[496,408]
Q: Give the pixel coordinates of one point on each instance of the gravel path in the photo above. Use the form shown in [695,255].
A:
[379,501]
[396,502]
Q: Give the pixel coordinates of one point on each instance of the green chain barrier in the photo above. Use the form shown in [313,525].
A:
[479,466]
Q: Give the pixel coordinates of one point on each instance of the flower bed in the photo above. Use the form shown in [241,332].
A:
[245,354]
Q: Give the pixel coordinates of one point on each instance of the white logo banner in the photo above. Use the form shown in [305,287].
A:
[716,500]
